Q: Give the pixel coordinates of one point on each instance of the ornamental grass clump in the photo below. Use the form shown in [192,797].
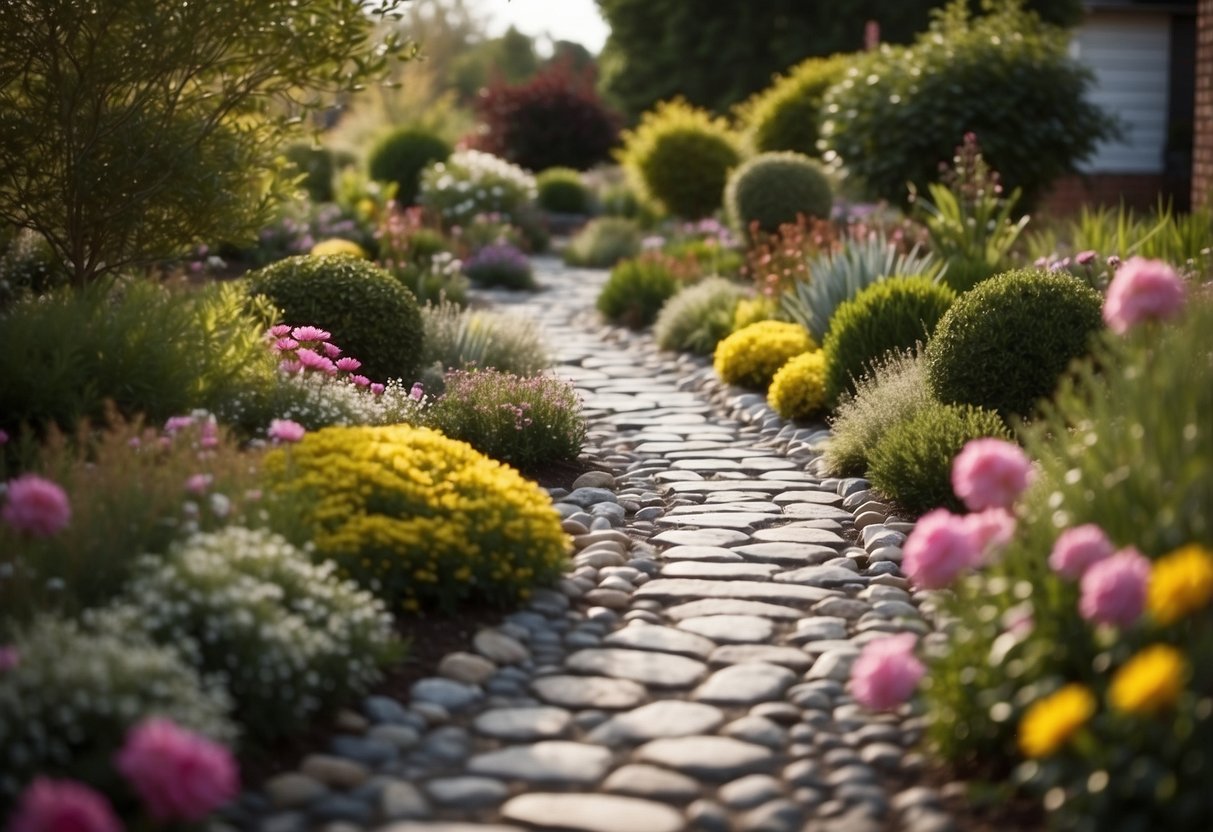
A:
[287,636]
[526,422]
[698,317]
[420,519]
[466,339]
[750,357]
[637,290]
[500,264]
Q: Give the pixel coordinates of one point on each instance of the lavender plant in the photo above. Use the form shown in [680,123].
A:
[500,264]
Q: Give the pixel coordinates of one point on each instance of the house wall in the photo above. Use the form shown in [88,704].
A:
[1202,154]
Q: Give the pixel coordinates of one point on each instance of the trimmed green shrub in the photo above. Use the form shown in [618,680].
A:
[752,355]
[561,191]
[464,339]
[798,390]
[699,316]
[288,637]
[402,155]
[1004,75]
[680,156]
[636,290]
[1004,344]
[774,188]
[603,242]
[369,313]
[420,519]
[74,694]
[787,114]
[912,462]
[894,390]
[524,421]
[317,166]
[890,315]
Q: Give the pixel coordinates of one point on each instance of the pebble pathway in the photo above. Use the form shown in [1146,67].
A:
[688,672]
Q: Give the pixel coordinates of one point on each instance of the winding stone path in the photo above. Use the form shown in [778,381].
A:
[690,670]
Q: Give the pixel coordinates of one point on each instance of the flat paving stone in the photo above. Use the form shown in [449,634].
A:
[679,447]
[730,654]
[788,554]
[664,718]
[745,684]
[719,571]
[770,486]
[589,692]
[592,813]
[662,640]
[731,629]
[815,511]
[820,628]
[723,520]
[691,589]
[746,506]
[467,791]
[521,724]
[704,466]
[768,463]
[661,670]
[718,554]
[827,576]
[710,758]
[800,534]
[447,826]
[701,537]
[550,761]
[652,783]
[828,498]
[729,606]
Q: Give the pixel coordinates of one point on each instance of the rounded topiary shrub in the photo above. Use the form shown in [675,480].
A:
[636,290]
[561,191]
[402,155]
[774,188]
[894,314]
[787,114]
[751,356]
[420,519]
[798,390]
[317,166]
[369,313]
[681,157]
[1004,344]
[912,462]
[698,317]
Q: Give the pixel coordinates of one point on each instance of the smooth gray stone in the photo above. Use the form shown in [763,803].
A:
[586,497]
[827,576]
[745,684]
[776,816]
[701,537]
[784,713]
[448,826]
[819,628]
[292,790]
[589,692]
[467,791]
[800,534]
[767,509]
[719,571]
[592,813]
[725,606]
[678,476]
[384,709]
[731,629]
[768,486]
[550,761]
[656,669]
[750,791]
[848,608]
[803,496]
[706,466]
[370,752]
[708,816]
[652,783]
[741,521]
[700,553]
[661,639]
[788,554]
[522,724]
[815,511]
[833,664]
[710,758]
[757,729]
[340,807]
[656,720]
[594,479]
[730,654]
[499,647]
[691,589]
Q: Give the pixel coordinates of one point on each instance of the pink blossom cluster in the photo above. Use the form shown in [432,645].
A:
[1113,583]
[35,506]
[1142,290]
[304,349]
[887,672]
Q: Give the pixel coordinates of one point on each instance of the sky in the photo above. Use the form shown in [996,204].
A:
[576,20]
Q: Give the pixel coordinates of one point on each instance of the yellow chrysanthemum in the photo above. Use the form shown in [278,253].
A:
[1150,681]
[798,390]
[750,357]
[338,246]
[1181,583]
[1050,722]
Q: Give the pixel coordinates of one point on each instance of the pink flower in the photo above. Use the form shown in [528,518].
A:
[290,368]
[1078,549]
[1085,258]
[331,349]
[285,430]
[198,483]
[210,435]
[280,330]
[178,423]
[179,775]
[348,364]
[938,549]
[377,389]
[1114,589]
[10,657]
[361,381]
[36,506]
[886,673]
[310,333]
[990,473]
[418,392]
[286,344]
[63,806]
[991,529]
[1142,290]
[311,359]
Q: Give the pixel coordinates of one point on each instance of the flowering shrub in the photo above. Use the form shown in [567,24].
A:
[523,421]
[288,637]
[298,232]
[751,356]
[778,260]
[798,390]
[603,242]
[698,317]
[471,182]
[637,289]
[420,518]
[500,264]
[464,339]
[420,256]
[67,704]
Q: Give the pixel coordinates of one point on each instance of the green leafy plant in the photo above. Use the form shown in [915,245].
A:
[798,390]
[561,191]
[603,242]
[400,157]
[712,256]
[28,266]
[464,339]
[636,290]
[787,114]
[369,313]
[315,164]
[1004,344]
[775,188]
[888,316]
[751,356]
[698,317]
[836,276]
[912,463]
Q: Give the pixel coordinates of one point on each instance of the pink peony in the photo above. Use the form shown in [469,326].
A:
[331,349]
[348,364]
[36,506]
[179,775]
[377,389]
[886,673]
[360,381]
[63,806]
[1142,290]
[1114,589]
[285,430]
[990,473]
[198,483]
[992,530]
[10,657]
[938,549]
[1078,549]
[310,333]
[280,330]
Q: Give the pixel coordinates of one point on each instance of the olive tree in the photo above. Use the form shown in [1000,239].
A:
[133,129]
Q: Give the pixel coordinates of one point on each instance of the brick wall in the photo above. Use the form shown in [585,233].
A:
[1202,157]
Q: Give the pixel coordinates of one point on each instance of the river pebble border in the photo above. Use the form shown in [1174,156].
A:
[688,672]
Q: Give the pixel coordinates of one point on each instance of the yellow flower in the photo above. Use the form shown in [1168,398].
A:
[1150,681]
[1051,721]
[798,389]
[338,246]
[1181,583]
